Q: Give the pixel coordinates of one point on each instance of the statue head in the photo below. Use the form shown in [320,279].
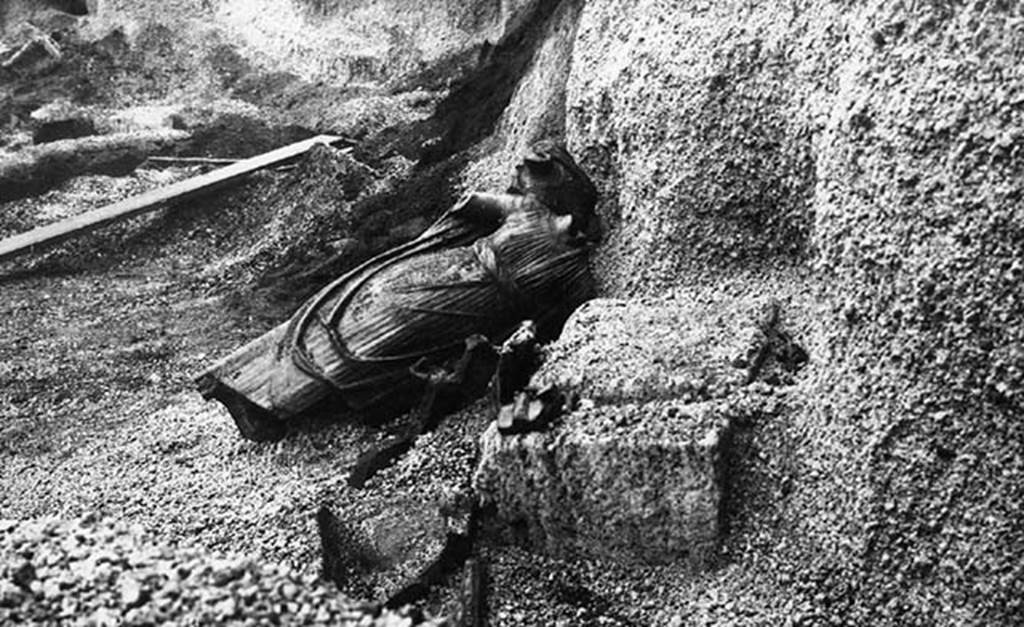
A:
[550,174]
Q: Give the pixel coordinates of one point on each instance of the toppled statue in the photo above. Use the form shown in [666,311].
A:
[489,263]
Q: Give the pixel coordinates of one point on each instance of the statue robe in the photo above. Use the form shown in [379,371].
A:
[484,266]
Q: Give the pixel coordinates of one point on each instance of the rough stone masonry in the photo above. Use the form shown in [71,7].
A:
[634,473]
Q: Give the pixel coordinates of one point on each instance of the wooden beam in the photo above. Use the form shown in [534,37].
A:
[53,233]
[192,160]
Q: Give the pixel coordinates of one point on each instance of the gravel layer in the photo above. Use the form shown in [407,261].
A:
[100,573]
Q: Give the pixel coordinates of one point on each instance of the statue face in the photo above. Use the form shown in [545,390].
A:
[549,173]
[535,176]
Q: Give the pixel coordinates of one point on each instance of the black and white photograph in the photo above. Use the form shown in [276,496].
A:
[512,313]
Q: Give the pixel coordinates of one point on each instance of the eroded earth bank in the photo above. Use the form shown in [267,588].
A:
[798,395]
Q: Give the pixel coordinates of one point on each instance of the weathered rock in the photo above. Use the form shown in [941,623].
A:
[345,551]
[411,527]
[388,550]
[472,597]
[877,146]
[69,128]
[620,350]
[131,592]
[10,594]
[634,471]
[632,482]
[61,119]
[531,410]
[40,167]
[39,55]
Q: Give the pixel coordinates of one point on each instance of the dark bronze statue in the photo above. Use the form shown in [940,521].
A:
[489,263]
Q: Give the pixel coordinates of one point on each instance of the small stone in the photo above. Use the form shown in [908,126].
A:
[226,608]
[24,574]
[140,558]
[104,617]
[249,593]
[51,589]
[322,615]
[106,555]
[69,607]
[10,594]
[131,591]
[225,573]
[289,590]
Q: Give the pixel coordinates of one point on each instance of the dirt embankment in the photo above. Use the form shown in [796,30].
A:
[862,164]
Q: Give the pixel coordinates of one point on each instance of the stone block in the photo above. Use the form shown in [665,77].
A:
[634,471]
[632,482]
[614,351]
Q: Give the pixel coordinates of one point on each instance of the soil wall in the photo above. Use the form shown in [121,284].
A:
[340,42]
[869,156]
[862,164]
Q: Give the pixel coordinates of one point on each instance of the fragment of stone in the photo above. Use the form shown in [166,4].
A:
[60,120]
[347,555]
[458,512]
[378,458]
[398,547]
[38,55]
[518,359]
[386,553]
[614,351]
[782,356]
[456,549]
[472,609]
[638,482]
[63,129]
[456,382]
[531,410]
[416,520]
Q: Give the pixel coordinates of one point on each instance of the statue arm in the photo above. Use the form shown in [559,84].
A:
[477,214]
[487,209]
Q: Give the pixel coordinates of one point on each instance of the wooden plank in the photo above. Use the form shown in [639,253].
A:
[182,190]
[192,160]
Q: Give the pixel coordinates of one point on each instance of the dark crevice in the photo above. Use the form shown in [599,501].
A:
[72,7]
[457,549]
[347,555]
[471,111]
[473,107]
[779,356]
[450,388]
[480,370]
[379,458]
[348,558]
